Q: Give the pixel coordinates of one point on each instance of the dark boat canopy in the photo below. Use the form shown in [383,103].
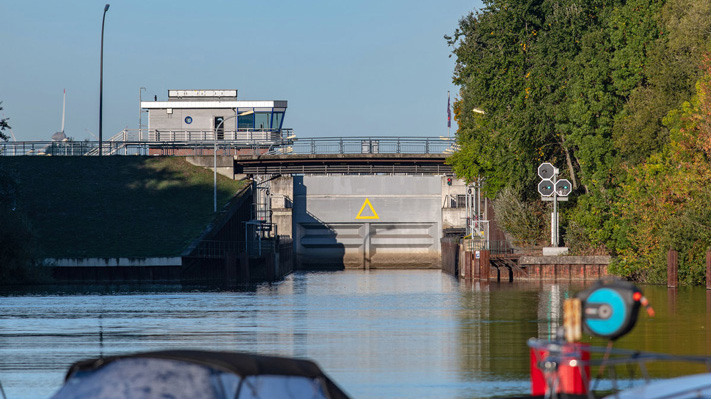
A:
[203,374]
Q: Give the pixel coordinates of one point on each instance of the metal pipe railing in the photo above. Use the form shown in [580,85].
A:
[143,142]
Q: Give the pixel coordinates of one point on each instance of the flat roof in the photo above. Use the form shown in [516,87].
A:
[212,104]
[202,93]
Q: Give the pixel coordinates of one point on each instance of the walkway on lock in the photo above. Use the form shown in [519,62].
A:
[352,155]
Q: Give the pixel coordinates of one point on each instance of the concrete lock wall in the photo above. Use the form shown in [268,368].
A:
[367,221]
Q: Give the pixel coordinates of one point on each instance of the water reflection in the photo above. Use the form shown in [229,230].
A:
[386,334]
[496,320]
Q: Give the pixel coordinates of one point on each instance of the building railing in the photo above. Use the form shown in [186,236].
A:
[163,135]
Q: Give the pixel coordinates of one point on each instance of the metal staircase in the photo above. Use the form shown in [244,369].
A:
[110,146]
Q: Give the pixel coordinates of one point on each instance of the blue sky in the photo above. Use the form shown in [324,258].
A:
[347,68]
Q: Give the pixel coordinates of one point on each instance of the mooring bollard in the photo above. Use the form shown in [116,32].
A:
[672,269]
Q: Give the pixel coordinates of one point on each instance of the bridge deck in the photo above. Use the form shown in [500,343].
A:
[428,164]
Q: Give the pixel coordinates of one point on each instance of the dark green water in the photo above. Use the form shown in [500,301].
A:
[380,334]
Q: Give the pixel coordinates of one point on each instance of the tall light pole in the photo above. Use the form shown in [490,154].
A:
[101,84]
[214,158]
[140,112]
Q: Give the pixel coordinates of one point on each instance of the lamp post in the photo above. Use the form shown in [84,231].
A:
[101,84]
[214,158]
[140,113]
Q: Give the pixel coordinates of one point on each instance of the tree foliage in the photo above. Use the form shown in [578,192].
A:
[589,86]
[522,220]
[664,203]
[3,125]
[18,263]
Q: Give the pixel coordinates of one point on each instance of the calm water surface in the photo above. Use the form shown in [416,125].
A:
[378,334]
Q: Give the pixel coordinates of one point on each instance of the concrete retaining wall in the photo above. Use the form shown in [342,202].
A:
[225,164]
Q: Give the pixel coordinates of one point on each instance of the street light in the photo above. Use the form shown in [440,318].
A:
[101,83]
[214,157]
[140,112]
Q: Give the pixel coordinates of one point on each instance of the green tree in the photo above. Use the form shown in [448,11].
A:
[663,57]
[524,221]
[541,72]
[18,262]
[3,125]
[664,201]
[588,86]
[493,59]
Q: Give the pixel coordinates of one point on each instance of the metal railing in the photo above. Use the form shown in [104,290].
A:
[367,145]
[91,148]
[161,135]
[217,249]
[201,142]
[503,247]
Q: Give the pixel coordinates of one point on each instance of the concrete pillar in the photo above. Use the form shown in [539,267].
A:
[366,246]
[282,197]
[672,269]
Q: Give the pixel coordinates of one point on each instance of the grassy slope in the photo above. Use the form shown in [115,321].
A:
[115,206]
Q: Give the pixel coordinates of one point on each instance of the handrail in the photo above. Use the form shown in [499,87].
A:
[187,135]
[367,145]
[183,142]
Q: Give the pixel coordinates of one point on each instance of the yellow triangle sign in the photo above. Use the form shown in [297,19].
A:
[360,213]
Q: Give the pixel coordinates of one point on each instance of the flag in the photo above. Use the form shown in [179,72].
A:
[449,112]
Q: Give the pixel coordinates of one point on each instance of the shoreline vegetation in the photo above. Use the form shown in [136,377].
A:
[615,93]
[82,207]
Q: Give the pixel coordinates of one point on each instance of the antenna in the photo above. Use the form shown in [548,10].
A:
[64,107]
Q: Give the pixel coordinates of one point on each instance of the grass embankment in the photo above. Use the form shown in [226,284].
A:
[115,206]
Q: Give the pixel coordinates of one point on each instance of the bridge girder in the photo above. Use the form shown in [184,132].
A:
[318,164]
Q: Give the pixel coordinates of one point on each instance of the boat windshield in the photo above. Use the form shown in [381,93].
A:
[147,378]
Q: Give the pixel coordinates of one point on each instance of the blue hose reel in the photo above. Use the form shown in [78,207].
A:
[609,310]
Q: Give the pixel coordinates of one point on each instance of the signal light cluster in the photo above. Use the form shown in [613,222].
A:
[547,187]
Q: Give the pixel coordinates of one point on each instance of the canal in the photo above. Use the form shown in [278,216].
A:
[378,334]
